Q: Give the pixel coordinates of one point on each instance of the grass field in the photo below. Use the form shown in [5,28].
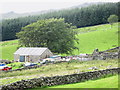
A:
[56,69]
[8,48]
[108,82]
[102,37]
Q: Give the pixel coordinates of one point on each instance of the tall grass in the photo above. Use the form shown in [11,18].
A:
[58,69]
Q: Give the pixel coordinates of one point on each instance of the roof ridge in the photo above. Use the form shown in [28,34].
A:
[33,47]
[30,51]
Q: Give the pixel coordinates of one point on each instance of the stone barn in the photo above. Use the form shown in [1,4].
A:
[32,54]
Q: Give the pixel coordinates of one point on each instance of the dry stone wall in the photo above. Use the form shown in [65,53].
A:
[108,54]
[59,80]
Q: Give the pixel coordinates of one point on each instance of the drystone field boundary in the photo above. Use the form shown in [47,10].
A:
[59,80]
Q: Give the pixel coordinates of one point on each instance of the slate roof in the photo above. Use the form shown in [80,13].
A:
[30,51]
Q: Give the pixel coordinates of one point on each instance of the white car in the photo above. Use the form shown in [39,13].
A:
[1,67]
[29,64]
[67,59]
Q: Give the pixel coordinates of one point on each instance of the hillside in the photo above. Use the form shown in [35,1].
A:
[11,15]
[8,48]
[79,17]
[102,37]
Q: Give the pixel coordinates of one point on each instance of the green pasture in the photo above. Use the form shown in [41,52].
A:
[102,37]
[11,42]
[8,48]
[109,82]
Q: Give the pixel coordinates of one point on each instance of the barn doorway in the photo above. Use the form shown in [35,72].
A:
[22,58]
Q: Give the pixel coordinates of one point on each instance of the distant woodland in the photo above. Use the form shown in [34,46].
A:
[79,17]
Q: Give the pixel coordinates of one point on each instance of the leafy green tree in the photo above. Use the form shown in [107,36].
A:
[112,19]
[80,17]
[55,34]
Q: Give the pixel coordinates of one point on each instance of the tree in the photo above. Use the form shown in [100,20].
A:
[112,19]
[80,17]
[55,34]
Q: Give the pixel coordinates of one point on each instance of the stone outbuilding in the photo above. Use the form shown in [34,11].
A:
[32,54]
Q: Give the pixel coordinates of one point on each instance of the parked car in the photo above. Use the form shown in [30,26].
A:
[5,61]
[1,67]
[1,64]
[29,64]
[5,68]
[56,57]
[45,61]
